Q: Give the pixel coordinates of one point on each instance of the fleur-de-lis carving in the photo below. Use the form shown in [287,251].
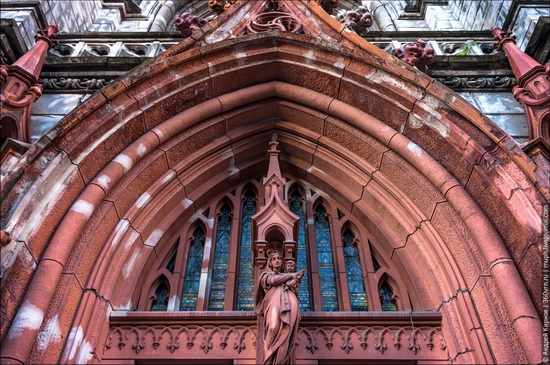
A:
[173,346]
[139,345]
[347,347]
[206,346]
[239,347]
[414,347]
[381,347]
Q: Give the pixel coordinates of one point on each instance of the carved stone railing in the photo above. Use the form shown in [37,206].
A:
[232,335]
[87,62]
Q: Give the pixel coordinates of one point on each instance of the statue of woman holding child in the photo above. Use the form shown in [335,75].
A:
[277,301]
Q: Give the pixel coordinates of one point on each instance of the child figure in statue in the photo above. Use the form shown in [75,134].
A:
[279,306]
[293,284]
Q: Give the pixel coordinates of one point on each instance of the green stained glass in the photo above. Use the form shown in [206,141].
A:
[297,207]
[160,303]
[354,272]
[245,290]
[221,258]
[326,263]
[386,300]
[193,272]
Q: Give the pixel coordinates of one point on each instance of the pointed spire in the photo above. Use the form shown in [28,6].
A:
[274,177]
[274,222]
[20,88]
[33,60]
[533,89]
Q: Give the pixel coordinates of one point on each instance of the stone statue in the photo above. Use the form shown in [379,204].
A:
[277,302]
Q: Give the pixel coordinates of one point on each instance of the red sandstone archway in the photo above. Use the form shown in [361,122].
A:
[448,195]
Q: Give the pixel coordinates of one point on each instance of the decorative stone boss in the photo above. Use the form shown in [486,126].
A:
[278,310]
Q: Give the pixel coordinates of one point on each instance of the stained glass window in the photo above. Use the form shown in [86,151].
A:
[221,258]
[193,272]
[245,291]
[386,295]
[297,207]
[354,272]
[160,303]
[326,261]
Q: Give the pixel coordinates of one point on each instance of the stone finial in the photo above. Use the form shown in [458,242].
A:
[533,85]
[187,23]
[20,87]
[48,35]
[502,38]
[358,20]
[219,6]
[328,5]
[416,54]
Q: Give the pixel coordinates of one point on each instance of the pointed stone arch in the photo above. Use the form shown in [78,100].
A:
[448,195]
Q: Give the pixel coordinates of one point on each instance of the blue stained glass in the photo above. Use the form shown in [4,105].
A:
[193,272]
[386,300]
[297,207]
[160,303]
[354,272]
[245,289]
[326,263]
[221,257]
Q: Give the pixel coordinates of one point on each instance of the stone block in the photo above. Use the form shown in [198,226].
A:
[373,103]
[497,103]
[138,180]
[193,139]
[251,113]
[54,212]
[90,242]
[496,323]
[411,182]
[459,241]
[57,321]
[301,116]
[514,124]
[93,161]
[15,282]
[516,237]
[354,140]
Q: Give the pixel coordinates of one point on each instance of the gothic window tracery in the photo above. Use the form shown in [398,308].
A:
[297,207]
[326,260]
[221,257]
[245,292]
[354,271]
[160,300]
[225,258]
[193,271]
[387,299]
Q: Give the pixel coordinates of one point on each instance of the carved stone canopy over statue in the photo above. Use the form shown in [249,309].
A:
[277,302]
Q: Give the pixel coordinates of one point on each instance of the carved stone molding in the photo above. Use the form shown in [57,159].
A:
[379,338]
[79,84]
[476,83]
[274,20]
[187,23]
[207,335]
[416,54]
[164,341]
[171,339]
[358,20]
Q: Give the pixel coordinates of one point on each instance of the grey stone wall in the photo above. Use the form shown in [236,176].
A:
[503,109]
